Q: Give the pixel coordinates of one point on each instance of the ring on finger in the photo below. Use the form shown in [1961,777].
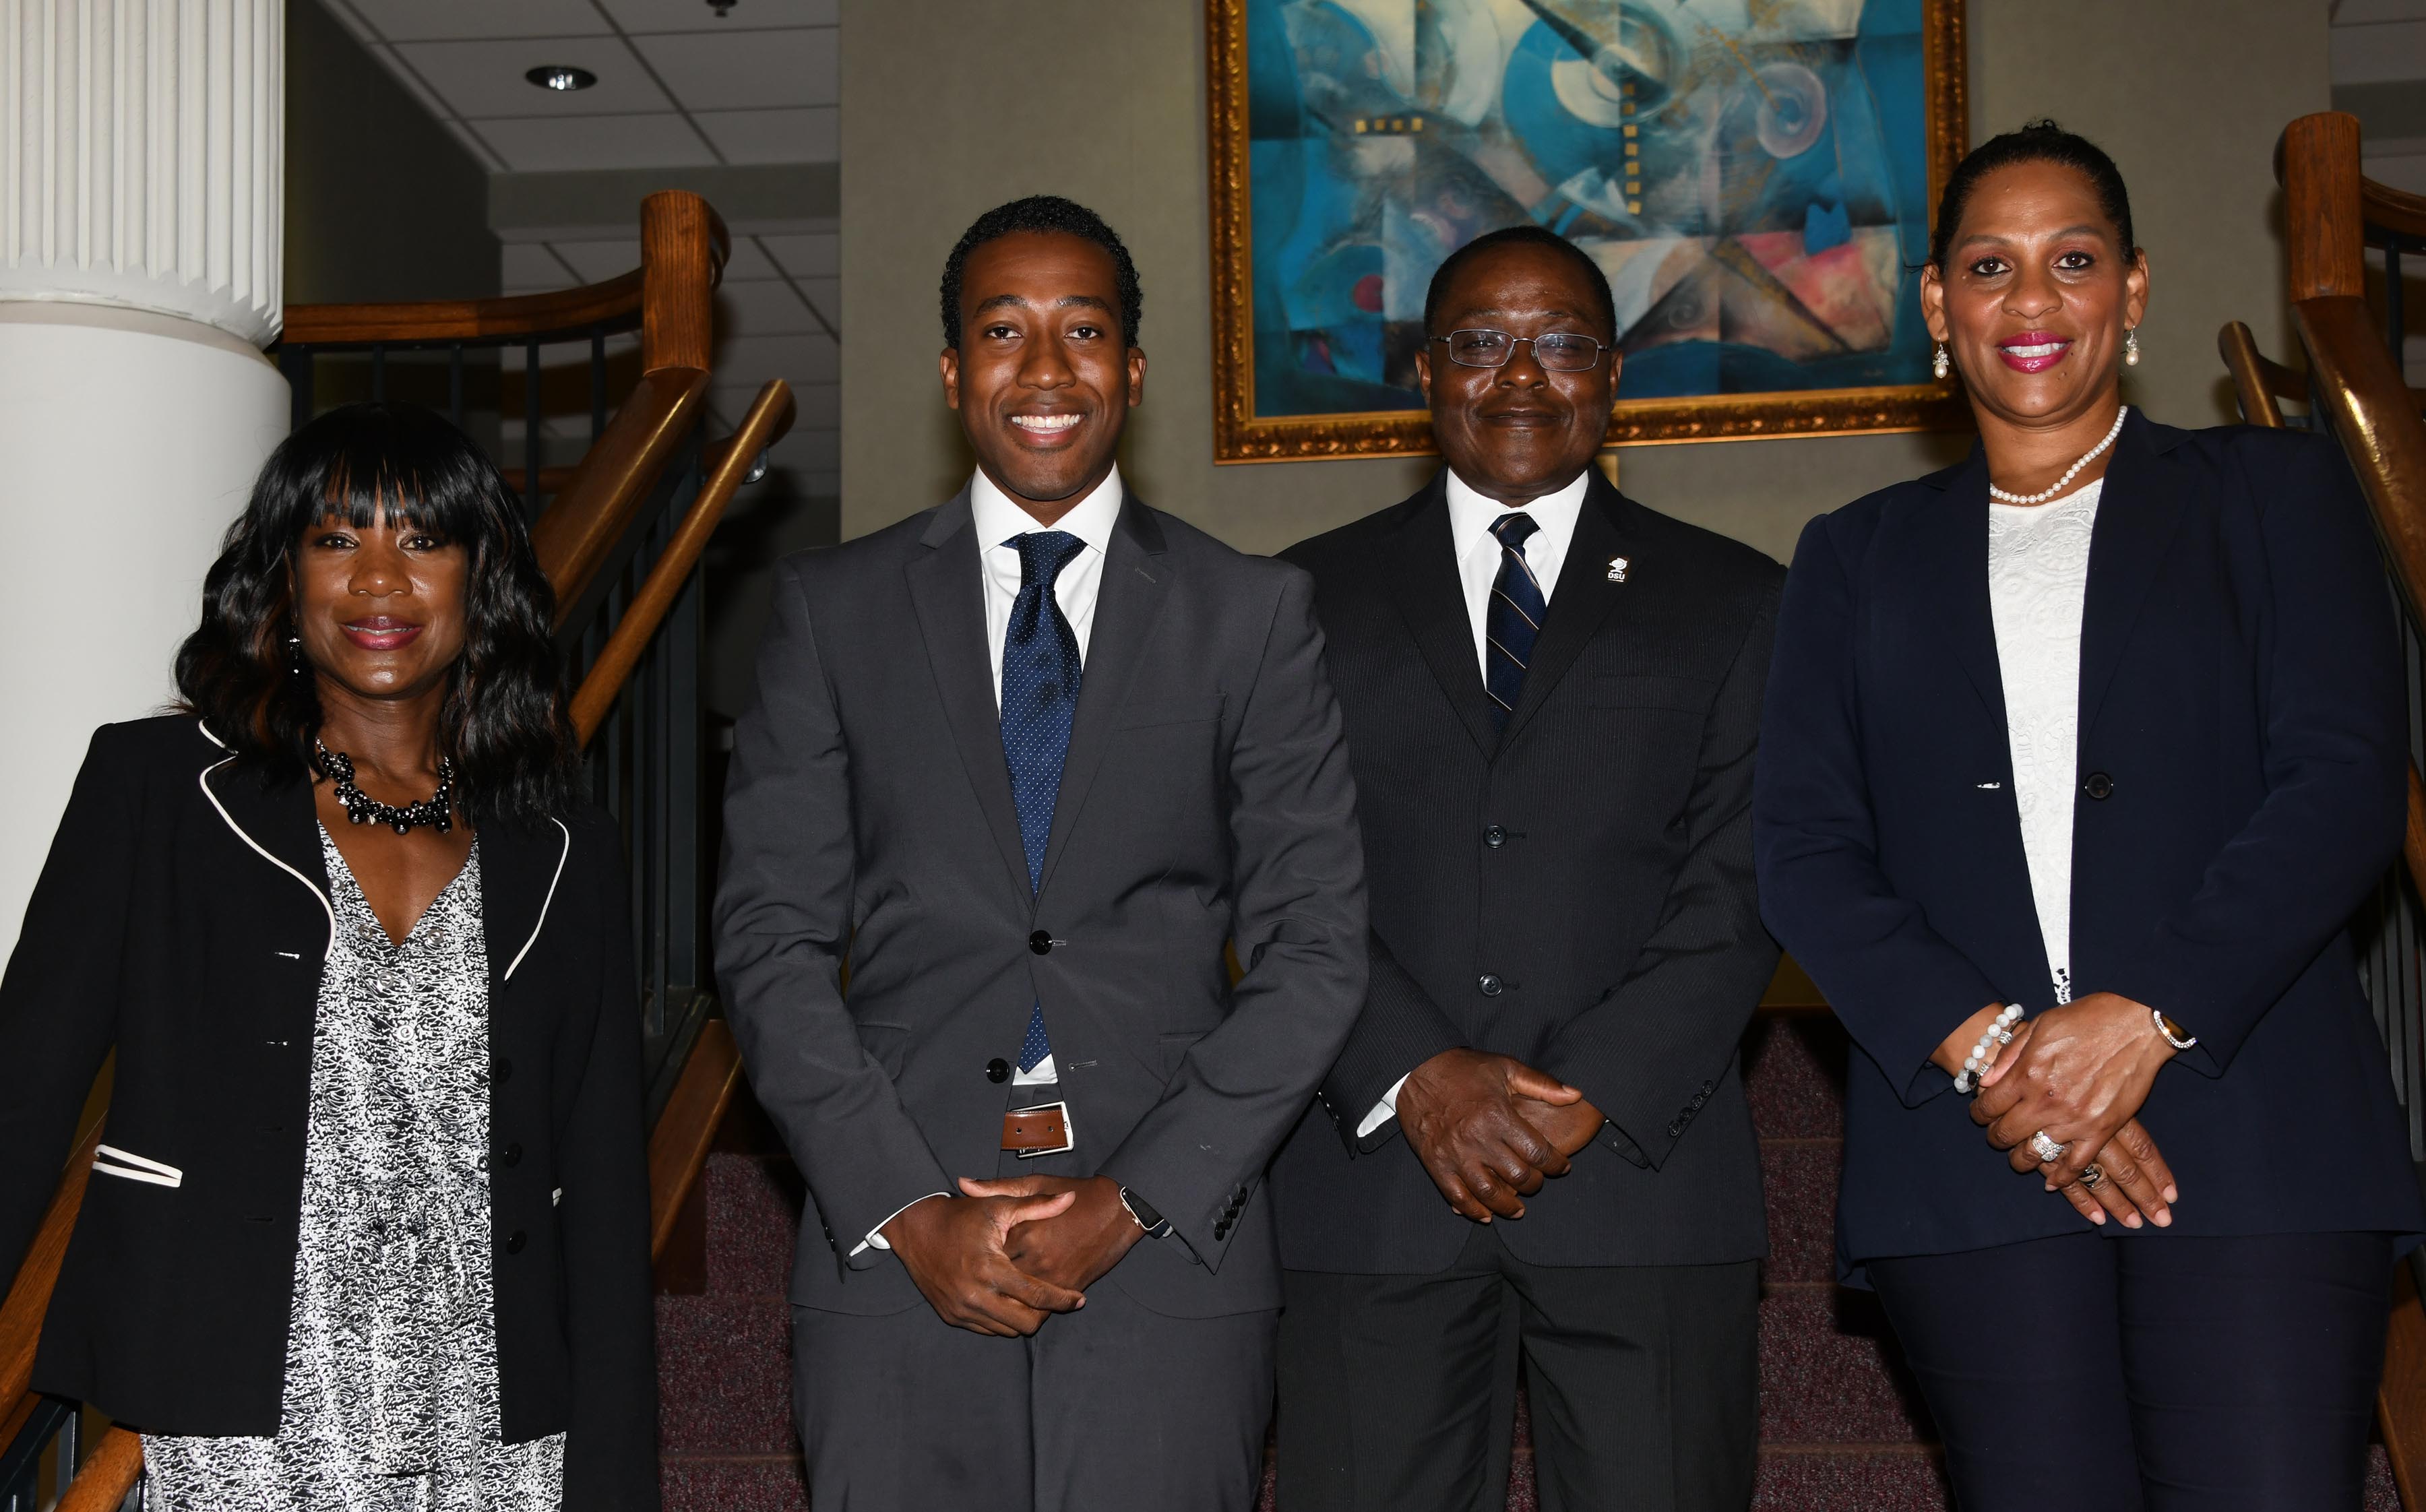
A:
[2092,1177]
[2045,1149]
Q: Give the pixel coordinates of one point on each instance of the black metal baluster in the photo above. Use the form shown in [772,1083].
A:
[684,637]
[296,362]
[597,382]
[530,426]
[455,384]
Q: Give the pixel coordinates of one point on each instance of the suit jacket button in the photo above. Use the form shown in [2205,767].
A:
[2098,786]
[514,1243]
[1040,942]
[997,1069]
[1495,837]
[513,1154]
[502,1069]
[1491,985]
[1222,1229]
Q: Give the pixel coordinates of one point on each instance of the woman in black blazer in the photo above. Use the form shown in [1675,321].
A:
[2076,760]
[369,1227]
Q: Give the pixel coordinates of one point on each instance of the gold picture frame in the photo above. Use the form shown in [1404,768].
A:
[1242,435]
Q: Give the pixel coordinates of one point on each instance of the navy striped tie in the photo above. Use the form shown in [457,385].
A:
[1513,620]
[1040,694]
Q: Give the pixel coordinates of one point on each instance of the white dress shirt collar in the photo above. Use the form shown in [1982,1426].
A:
[999,517]
[1470,517]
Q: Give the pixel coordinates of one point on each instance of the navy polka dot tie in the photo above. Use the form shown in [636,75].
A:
[1514,619]
[1039,693]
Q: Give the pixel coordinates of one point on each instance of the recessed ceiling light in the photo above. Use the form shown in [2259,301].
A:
[561,78]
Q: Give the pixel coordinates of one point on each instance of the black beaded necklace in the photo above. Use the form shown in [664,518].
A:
[437,810]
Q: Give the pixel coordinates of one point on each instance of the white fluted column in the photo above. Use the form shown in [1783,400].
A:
[142,232]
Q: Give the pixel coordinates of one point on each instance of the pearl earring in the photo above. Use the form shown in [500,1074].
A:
[2130,346]
[1940,364]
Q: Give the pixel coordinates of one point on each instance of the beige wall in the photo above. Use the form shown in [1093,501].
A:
[949,108]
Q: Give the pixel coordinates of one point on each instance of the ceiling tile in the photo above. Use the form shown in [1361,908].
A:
[482,152]
[746,69]
[815,256]
[825,296]
[764,309]
[748,264]
[700,15]
[752,360]
[810,135]
[528,265]
[2359,12]
[352,20]
[482,79]
[595,141]
[597,262]
[2383,52]
[419,20]
[817,406]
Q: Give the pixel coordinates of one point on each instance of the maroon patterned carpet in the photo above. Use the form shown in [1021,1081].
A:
[1841,1429]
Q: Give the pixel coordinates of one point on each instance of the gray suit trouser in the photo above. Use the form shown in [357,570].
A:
[1104,1410]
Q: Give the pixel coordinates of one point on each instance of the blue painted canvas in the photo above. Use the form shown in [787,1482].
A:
[1752,174]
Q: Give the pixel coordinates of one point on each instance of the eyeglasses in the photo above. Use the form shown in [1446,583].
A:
[1559,351]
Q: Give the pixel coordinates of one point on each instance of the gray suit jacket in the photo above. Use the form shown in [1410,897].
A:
[869,821]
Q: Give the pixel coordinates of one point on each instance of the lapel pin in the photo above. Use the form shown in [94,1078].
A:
[1617,569]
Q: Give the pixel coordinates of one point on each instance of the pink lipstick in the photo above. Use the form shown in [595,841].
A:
[380,632]
[2033,351]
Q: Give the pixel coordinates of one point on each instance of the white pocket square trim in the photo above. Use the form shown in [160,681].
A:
[134,1168]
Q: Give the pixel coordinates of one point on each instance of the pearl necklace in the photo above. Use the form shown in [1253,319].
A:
[2069,473]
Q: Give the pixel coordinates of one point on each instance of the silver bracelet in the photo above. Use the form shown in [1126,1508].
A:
[1999,1032]
[2156,1016]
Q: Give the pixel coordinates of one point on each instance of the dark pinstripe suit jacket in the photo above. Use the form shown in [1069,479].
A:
[1595,861]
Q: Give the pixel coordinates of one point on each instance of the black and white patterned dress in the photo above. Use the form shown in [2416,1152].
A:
[391,1396]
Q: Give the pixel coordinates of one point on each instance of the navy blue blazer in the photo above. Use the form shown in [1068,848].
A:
[2242,758]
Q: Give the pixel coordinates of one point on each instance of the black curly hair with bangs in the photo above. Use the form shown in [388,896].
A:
[504,724]
[1042,212]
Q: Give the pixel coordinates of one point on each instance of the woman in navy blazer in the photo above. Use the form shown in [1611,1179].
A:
[2170,1293]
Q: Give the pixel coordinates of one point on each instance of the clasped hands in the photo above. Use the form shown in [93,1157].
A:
[2080,1072]
[1005,1255]
[1490,1128]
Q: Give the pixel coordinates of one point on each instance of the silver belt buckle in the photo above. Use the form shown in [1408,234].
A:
[1069,1131]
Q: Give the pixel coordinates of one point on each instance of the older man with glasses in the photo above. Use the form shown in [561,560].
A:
[1536,1142]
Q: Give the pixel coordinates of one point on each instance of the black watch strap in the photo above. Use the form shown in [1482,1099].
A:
[1154,1223]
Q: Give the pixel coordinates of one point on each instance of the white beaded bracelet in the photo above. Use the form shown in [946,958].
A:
[1999,1032]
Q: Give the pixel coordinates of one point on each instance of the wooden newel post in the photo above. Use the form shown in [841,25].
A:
[683,248]
[2323,228]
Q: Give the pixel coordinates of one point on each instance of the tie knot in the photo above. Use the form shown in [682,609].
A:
[1513,529]
[1043,553]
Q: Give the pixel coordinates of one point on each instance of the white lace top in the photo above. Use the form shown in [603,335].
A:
[2038,575]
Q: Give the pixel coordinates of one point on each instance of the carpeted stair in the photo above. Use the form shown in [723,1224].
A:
[1842,1429]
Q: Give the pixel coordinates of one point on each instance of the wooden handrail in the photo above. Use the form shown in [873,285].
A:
[615,304]
[29,1297]
[2323,228]
[2257,382]
[769,417]
[579,533]
[678,1146]
[2355,385]
[2394,210]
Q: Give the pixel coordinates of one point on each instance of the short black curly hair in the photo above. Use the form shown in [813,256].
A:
[1521,234]
[1046,213]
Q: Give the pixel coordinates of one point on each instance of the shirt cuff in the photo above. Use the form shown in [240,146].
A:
[876,1236]
[1383,1112]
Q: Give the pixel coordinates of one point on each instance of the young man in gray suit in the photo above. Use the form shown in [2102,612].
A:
[1026,760]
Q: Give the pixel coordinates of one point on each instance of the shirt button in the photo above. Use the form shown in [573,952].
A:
[1491,984]
[1040,942]
[514,1243]
[513,1154]
[997,1069]
[2098,786]
[1495,837]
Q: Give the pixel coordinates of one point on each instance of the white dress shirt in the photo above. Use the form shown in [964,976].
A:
[999,518]
[1470,517]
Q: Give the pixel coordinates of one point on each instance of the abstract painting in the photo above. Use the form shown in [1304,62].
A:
[1755,176]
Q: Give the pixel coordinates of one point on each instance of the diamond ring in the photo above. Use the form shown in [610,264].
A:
[2045,1149]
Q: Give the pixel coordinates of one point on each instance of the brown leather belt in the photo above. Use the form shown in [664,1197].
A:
[1042,1129]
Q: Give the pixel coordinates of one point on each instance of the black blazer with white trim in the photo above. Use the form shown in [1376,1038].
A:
[182,918]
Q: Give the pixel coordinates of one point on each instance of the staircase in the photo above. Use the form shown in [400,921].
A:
[1842,1429]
